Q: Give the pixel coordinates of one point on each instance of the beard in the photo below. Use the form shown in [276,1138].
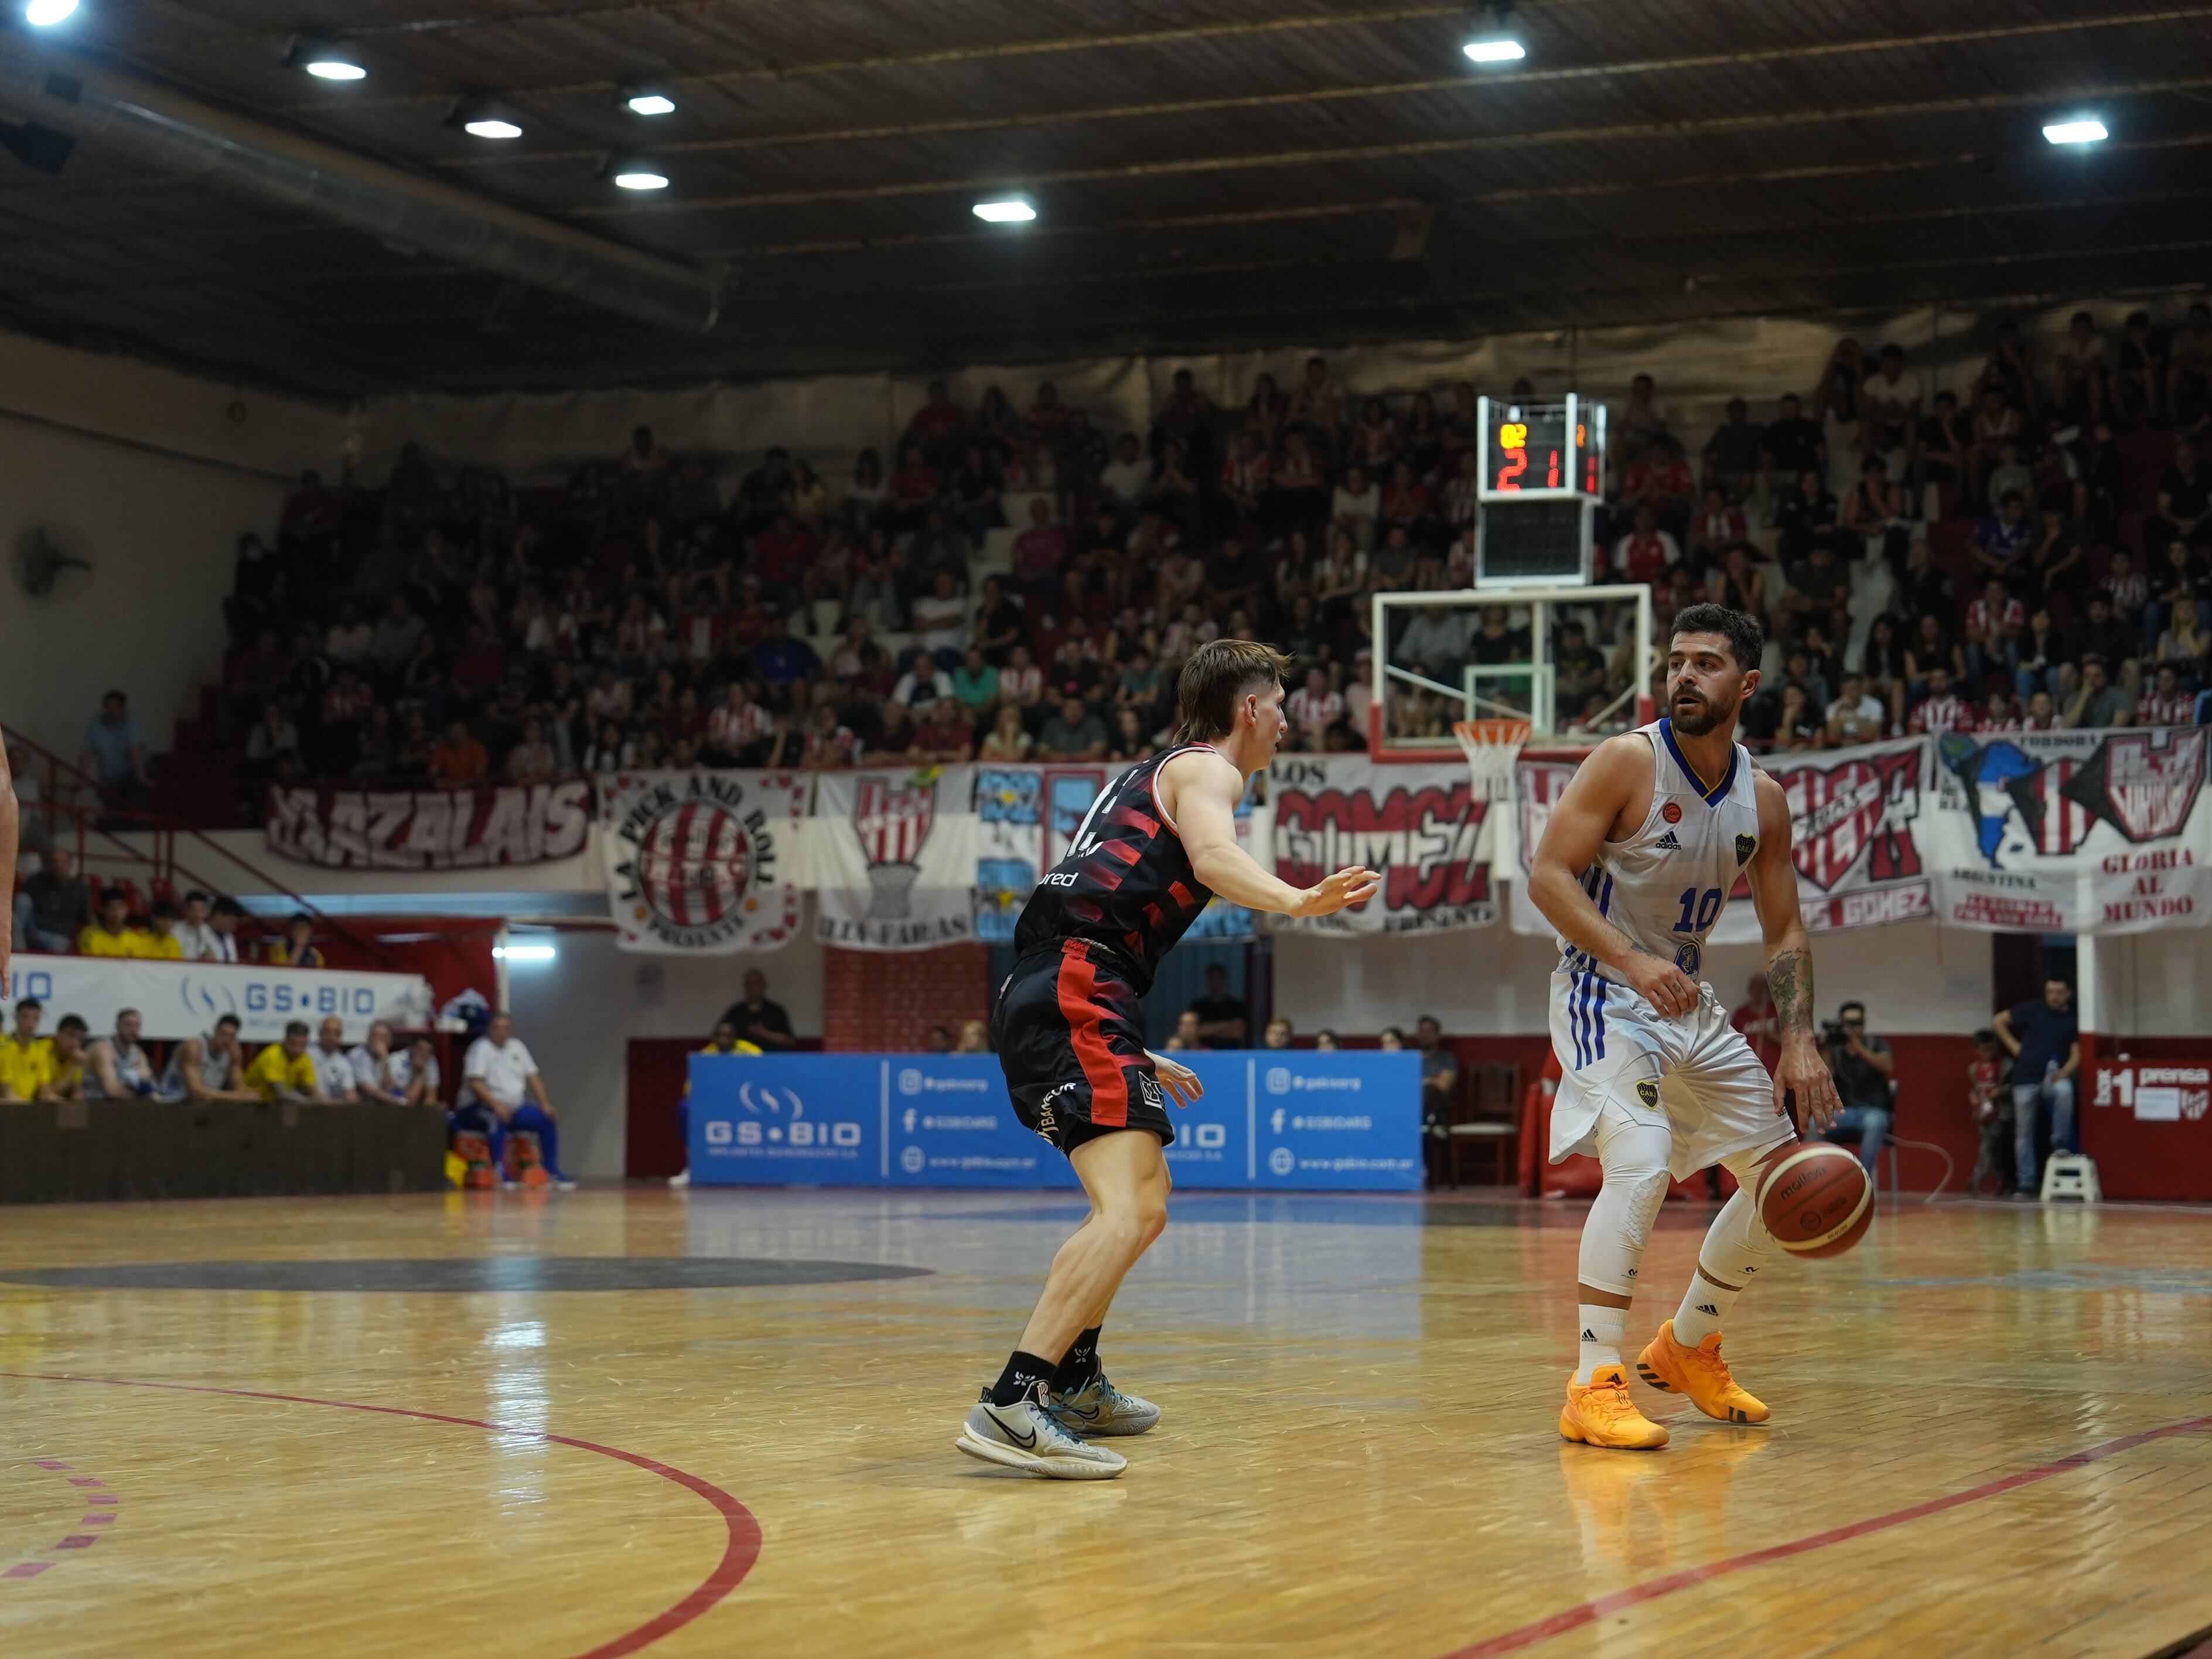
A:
[1692,713]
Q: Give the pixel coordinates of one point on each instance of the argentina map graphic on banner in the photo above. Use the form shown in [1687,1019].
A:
[697,861]
[2071,832]
[1026,816]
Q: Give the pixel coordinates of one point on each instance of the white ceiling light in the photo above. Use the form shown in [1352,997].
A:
[648,101]
[1007,210]
[2087,129]
[1495,48]
[525,952]
[480,118]
[326,60]
[44,14]
[640,176]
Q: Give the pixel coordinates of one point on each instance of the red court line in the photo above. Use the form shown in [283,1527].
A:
[1589,1613]
[740,1550]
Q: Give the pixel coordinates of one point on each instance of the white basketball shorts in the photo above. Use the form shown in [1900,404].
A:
[1694,1076]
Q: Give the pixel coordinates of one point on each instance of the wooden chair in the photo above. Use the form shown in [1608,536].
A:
[1486,1115]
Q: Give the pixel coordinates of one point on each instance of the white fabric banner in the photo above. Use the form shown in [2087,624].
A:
[184,998]
[431,829]
[698,862]
[895,858]
[2071,832]
[1421,825]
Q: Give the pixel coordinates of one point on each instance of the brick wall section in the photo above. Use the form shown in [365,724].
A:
[885,1000]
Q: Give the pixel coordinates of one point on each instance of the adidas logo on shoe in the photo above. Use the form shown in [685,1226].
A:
[1668,843]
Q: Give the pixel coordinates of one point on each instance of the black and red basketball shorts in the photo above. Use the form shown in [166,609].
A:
[1069,1030]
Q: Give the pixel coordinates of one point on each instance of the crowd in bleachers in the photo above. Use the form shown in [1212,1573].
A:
[1011,582]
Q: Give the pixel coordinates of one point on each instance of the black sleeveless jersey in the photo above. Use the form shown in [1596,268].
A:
[1125,883]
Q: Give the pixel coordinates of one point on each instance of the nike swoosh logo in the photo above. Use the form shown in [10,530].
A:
[1025,1438]
[1091,1416]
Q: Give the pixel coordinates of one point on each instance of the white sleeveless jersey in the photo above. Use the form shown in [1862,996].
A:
[1666,884]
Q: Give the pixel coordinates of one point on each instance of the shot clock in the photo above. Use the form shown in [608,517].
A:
[1542,477]
[1541,449]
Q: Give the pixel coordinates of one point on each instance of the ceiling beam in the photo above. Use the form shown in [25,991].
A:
[1485,86]
[191,140]
[1409,150]
[981,52]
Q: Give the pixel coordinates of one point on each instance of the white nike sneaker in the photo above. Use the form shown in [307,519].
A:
[1100,1409]
[680,1180]
[1022,1436]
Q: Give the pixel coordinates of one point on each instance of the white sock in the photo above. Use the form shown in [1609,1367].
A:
[1705,1304]
[1602,1329]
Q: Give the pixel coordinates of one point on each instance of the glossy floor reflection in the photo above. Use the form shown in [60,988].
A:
[1993,1436]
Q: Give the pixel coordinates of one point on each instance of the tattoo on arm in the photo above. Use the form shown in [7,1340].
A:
[1789,977]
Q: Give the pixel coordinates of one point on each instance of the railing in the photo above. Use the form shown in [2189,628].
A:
[71,804]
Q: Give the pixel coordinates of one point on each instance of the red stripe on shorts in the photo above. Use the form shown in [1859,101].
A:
[1077,984]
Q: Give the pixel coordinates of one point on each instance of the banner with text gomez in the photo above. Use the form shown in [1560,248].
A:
[1422,826]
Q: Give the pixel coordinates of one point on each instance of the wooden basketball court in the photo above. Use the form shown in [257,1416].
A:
[470,1425]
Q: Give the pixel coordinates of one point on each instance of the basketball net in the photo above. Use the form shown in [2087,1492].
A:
[1490,747]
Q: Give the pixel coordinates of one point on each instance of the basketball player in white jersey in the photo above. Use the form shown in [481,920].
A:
[1634,869]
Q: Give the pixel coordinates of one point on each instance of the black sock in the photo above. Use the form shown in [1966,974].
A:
[1080,1365]
[1023,1372]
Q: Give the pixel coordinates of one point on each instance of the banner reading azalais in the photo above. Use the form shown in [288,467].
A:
[694,859]
[2071,832]
[431,829]
[895,858]
[1422,826]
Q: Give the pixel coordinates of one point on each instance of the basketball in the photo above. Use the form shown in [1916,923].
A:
[1816,1200]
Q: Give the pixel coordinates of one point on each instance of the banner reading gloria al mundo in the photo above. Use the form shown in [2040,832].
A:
[695,860]
[2071,832]
[431,829]
[1422,826]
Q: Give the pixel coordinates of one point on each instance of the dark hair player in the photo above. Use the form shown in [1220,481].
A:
[1157,844]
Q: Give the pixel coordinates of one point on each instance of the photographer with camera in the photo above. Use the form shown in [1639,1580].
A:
[1861,1066]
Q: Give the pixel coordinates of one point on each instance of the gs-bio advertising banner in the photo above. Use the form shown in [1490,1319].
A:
[1277,1119]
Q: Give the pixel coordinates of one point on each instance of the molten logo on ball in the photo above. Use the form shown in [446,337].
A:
[1816,1199]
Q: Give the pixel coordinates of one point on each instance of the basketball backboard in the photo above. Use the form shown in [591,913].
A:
[1577,664]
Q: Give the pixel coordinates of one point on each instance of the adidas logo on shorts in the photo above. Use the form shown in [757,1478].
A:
[1667,843]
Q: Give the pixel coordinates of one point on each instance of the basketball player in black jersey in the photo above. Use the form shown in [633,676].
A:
[1157,844]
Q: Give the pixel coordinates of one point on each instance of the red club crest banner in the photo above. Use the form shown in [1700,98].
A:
[694,859]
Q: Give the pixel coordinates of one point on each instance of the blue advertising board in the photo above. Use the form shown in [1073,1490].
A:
[1280,1120]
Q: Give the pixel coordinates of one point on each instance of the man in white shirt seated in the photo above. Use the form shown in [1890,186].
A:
[210,1067]
[412,1073]
[333,1065]
[196,935]
[117,1067]
[369,1060]
[502,1092]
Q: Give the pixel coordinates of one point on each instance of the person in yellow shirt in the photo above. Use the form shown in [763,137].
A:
[109,933]
[284,1070]
[726,1042]
[64,1079]
[160,941]
[26,1060]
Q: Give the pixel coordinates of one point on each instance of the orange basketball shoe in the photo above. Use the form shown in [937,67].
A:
[1699,1373]
[1599,1413]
